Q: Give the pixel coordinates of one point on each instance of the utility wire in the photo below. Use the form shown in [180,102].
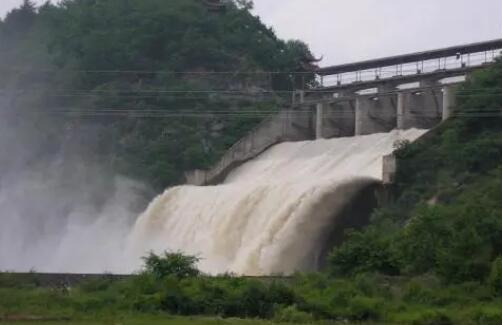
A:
[126,92]
[432,63]
[468,112]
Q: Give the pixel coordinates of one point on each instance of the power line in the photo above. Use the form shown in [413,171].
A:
[285,114]
[427,64]
[129,92]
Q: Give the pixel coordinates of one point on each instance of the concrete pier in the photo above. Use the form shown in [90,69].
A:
[449,101]
[319,121]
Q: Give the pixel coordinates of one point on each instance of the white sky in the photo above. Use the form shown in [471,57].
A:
[352,30]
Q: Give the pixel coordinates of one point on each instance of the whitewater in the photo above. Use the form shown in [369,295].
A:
[273,214]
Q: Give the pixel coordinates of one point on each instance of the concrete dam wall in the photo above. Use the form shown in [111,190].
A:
[336,115]
[285,126]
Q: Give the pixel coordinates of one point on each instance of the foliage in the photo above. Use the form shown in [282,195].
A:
[495,278]
[171,264]
[487,315]
[363,252]
[307,298]
[116,79]
[291,314]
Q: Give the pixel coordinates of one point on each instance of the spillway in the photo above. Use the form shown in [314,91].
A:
[272,215]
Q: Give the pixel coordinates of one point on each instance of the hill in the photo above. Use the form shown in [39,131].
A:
[144,88]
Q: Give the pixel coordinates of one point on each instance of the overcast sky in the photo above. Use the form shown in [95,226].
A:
[345,31]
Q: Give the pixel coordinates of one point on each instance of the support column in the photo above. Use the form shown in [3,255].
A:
[449,101]
[401,103]
[361,113]
[319,121]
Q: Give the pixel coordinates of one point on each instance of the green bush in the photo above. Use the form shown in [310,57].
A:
[495,279]
[95,285]
[415,292]
[487,315]
[366,309]
[171,264]
[432,317]
[291,314]
[364,251]
[226,297]
[147,303]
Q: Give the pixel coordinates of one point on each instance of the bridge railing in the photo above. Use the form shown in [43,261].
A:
[463,56]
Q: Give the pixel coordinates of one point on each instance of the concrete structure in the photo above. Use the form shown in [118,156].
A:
[319,124]
[389,169]
[375,114]
[361,107]
[419,108]
[285,126]
[449,101]
[337,119]
[458,52]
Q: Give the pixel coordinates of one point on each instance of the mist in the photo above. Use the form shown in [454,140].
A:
[60,210]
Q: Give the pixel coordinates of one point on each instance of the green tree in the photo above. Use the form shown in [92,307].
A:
[171,264]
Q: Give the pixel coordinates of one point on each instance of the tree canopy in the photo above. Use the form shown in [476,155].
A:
[113,66]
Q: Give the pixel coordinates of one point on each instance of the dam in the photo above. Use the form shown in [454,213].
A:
[275,201]
[281,197]
[416,90]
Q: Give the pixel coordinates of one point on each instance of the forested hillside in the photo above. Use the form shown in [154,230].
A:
[137,86]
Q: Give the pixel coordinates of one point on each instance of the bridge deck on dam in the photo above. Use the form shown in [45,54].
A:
[439,60]
[465,49]
[343,110]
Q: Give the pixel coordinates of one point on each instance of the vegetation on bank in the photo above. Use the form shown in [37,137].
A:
[171,287]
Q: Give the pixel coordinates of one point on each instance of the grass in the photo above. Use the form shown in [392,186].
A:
[369,299]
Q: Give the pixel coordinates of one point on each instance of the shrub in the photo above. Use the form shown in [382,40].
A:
[487,316]
[365,251]
[432,317]
[145,283]
[255,300]
[147,303]
[415,292]
[495,279]
[291,314]
[95,285]
[171,264]
[366,309]
[281,294]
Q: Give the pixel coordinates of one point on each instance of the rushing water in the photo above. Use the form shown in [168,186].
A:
[271,215]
